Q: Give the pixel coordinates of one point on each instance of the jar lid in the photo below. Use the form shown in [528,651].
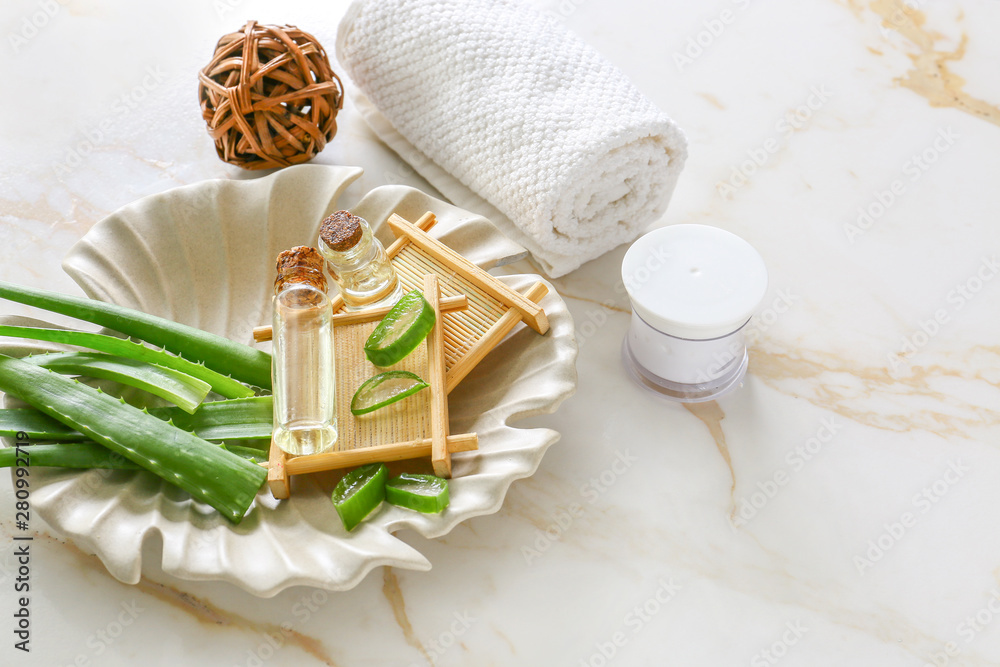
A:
[694,281]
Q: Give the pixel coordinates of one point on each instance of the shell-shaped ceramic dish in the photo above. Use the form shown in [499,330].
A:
[203,255]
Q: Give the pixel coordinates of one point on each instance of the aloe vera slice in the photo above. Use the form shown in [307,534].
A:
[182,390]
[220,354]
[235,419]
[385,389]
[209,473]
[423,493]
[401,330]
[221,384]
[359,492]
[92,455]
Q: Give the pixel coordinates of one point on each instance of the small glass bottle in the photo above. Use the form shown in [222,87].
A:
[358,262]
[302,365]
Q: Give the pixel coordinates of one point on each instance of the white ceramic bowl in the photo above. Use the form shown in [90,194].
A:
[203,255]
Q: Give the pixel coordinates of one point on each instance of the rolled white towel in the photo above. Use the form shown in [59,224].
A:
[506,112]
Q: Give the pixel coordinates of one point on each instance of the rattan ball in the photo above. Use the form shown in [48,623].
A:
[269,97]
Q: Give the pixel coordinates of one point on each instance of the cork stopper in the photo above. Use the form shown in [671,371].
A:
[301,264]
[341,231]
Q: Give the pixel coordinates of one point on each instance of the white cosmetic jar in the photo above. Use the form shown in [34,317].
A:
[693,290]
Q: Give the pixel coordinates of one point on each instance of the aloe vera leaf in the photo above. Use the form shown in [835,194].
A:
[36,425]
[241,419]
[251,454]
[236,419]
[221,384]
[210,474]
[182,390]
[91,455]
[67,455]
[218,353]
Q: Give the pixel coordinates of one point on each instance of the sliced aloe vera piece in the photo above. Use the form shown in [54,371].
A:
[182,390]
[384,389]
[401,330]
[123,347]
[236,419]
[423,493]
[359,492]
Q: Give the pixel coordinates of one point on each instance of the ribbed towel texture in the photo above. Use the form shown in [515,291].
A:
[507,113]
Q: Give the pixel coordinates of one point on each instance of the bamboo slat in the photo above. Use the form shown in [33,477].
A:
[449,304]
[440,456]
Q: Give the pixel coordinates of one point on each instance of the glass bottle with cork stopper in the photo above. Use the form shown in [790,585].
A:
[358,262]
[302,364]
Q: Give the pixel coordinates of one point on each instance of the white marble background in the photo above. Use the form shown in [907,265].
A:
[842,509]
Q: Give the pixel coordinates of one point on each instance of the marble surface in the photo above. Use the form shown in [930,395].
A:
[840,509]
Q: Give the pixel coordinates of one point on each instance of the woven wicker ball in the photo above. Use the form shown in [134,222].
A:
[269,97]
